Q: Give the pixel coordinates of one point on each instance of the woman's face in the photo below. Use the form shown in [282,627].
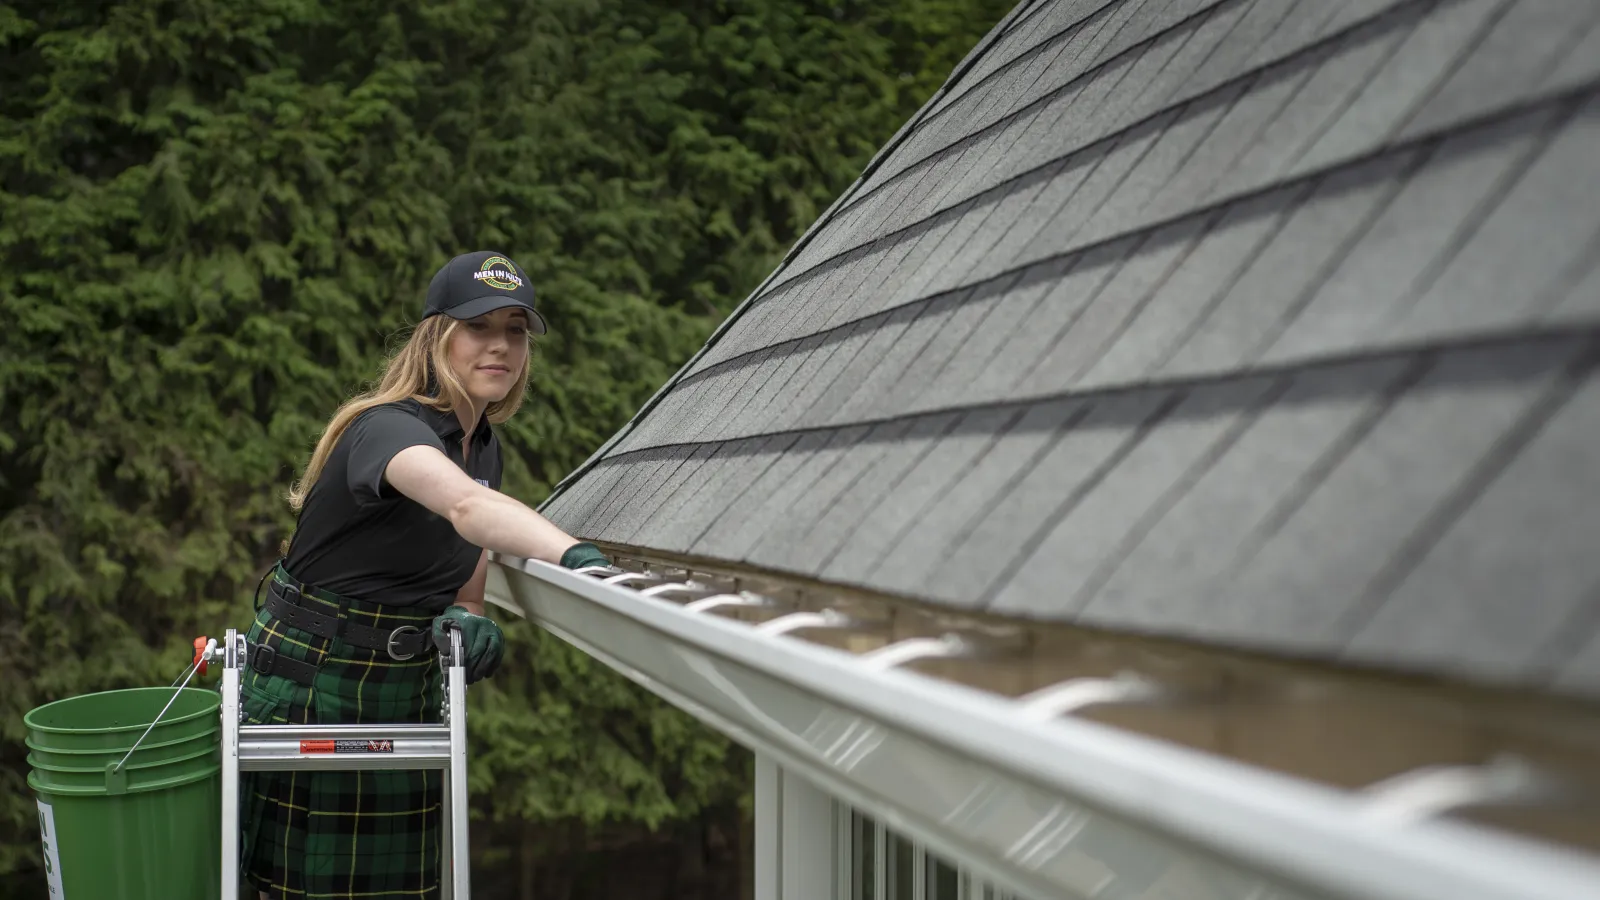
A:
[489,353]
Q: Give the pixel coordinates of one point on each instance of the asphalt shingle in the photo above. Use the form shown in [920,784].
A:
[1001,539]
[1198,282]
[917,495]
[1199,38]
[1310,584]
[650,498]
[853,454]
[1046,323]
[909,566]
[1255,39]
[884,372]
[1526,247]
[1097,521]
[857,359]
[1059,235]
[1405,245]
[1581,672]
[1340,74]
[1382,104]
[742,462]
[732,521]
[1109,313]
[1581,301]
[1530,39]
[1262,102]
[790,482]
[1495,589]
[818,372]
[1175,146]
[1292,265]
[1285,451]
[829,534]
[1012,302]
[1581,66]
[641,473]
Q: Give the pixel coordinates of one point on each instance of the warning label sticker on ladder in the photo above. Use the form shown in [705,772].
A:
[52,855]
[347,746]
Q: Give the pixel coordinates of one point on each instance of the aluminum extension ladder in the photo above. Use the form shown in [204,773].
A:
[325,748]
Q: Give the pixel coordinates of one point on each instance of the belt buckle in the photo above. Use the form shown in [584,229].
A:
[394,638]
[261,659]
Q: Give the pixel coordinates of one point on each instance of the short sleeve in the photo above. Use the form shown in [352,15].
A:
[373,439]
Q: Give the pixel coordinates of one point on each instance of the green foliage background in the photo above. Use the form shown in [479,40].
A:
[215,215]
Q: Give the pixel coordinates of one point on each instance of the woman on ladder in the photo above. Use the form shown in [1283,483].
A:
[397,507]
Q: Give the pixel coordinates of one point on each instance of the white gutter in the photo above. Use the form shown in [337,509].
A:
[1049,807]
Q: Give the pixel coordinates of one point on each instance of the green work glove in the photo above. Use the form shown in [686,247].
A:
[480,639]
[583,554]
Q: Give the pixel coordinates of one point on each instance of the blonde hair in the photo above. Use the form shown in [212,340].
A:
[421,365]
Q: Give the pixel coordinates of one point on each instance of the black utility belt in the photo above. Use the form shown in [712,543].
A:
[401,643]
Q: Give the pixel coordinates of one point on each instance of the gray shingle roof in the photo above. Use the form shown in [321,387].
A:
[1265,322]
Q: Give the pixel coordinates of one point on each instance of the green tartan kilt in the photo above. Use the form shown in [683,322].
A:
[372,835]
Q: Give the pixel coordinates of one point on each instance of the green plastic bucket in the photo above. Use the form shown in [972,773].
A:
[148,829]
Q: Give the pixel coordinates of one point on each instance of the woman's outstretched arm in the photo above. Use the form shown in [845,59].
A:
[486,518]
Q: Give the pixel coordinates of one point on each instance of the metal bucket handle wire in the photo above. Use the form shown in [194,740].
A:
[115,779]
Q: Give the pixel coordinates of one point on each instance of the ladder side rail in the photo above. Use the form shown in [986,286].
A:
[460,869]
[230,766]
[446,838]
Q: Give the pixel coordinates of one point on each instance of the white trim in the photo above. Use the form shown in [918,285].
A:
[919,872]
[769,829]
[880,860]
[806,840]
[843,852]
[1015,799]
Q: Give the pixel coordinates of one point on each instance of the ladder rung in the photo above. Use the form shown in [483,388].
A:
[343,747]
[344,732]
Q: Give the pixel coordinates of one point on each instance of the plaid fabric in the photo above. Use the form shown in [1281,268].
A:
[368,835]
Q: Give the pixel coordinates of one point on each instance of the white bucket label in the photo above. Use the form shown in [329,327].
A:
[52,855]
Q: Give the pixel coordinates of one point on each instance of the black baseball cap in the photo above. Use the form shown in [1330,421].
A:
[480,282]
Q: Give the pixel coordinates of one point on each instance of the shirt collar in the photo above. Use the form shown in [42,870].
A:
[448,427]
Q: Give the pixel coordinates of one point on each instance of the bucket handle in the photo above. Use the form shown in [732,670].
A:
[116,778]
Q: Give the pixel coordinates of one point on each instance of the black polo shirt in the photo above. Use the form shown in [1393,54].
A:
[360,538]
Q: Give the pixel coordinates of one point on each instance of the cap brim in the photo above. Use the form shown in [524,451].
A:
[478,306]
